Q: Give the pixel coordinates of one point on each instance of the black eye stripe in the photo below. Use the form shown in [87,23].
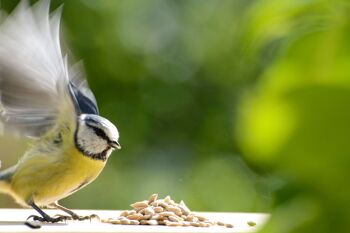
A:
[99,132]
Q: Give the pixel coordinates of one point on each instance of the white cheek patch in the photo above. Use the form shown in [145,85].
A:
[89,141]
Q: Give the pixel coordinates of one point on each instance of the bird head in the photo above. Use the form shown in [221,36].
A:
[96,136]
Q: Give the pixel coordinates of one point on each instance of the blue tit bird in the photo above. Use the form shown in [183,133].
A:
[43,98]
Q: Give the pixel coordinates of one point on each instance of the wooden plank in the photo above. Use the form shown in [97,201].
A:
[11,220]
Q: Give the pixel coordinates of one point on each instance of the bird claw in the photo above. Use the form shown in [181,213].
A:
[57,218]
[87,217]
[63,217]
[36,218]
[78,217]
[49,219]
[94,216]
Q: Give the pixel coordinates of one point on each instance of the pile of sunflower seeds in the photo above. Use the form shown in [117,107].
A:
[163,212]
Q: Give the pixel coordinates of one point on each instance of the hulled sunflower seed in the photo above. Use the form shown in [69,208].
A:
[157,217]
[153,198]
[167,199]
[161,222]
[113,221]
[146,217]
[194,224]
[148,211]
[167,214]
[201,218]
[131,212]
[125,221]
[175,219]
[158,209]
[251,223]
[134,222]
[155,203]
[175,210]
[185,210]
[124,213]
[139,205]
[165,211]
[135,216]
[163,204]
[203,224]
[173,224]
[149,222]
[189,218]
[220,223]
[210,222]
[186,224]
[107,220]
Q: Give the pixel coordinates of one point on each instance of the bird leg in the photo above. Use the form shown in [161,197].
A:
[73,215]
[58,218]
[44,216]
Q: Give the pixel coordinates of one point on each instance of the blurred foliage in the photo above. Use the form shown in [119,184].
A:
[230,105]
[296,123]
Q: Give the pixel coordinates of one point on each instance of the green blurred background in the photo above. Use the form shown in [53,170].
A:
[230,105]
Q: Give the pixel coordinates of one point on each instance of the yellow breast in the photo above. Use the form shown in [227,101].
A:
[48,178]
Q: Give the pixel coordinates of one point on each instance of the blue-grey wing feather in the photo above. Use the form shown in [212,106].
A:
[83,98]
[81,102]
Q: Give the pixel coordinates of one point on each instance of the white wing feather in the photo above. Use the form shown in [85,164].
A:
[34,77]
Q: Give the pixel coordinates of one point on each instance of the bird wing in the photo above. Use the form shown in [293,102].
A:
[37,88]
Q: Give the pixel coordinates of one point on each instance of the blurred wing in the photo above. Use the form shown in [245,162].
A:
[35,88]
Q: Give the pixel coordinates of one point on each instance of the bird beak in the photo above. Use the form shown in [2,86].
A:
[115,145]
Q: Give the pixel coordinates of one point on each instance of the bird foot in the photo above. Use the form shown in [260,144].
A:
[78,217]
[49,219]
[35,225]
[56,218]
